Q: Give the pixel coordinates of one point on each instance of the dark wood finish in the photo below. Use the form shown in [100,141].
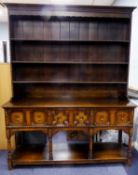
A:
[73,153]
[69,73]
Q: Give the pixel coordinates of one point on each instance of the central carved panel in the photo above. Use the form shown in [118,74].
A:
[60,119]
[81,119]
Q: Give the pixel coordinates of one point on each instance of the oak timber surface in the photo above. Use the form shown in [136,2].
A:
[66,102]
[70,68]
[66,152]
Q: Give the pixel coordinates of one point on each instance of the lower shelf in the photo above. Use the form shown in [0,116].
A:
[71,153]
[109,151]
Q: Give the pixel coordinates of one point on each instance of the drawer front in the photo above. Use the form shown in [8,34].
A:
[39,118]
[113,117]
[102,118]
[70,117]
[17,118]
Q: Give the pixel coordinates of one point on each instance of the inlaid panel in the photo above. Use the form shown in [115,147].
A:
[17,118]
[39,117]
[60,118]
[102,118]
[122,117]
[81,119]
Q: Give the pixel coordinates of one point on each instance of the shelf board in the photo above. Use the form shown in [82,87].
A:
[61,152]
[71,41]
[75,153]
[69,62]
[106,151]
[69,82]
[68,16]
[31,153]
[63,102]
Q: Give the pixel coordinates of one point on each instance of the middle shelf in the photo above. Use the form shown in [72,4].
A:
[70,52]
[70,73]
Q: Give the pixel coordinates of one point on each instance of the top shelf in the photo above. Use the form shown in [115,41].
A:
[69,16]
[45,10]
[71,41]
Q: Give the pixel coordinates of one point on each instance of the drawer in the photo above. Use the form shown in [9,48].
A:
[113,117]
[17,118]
[123,117]
[102,117]
[39,118]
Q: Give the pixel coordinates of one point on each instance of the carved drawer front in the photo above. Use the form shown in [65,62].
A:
[102,118]
[122,117]
[81,119]
[60,118]
[17,118]
[39,117]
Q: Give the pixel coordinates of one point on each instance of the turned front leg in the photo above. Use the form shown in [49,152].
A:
[120,137]
[90,144]
[50,145]
[130,148]
[9,147]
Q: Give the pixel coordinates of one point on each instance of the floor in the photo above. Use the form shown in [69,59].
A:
[133,169]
